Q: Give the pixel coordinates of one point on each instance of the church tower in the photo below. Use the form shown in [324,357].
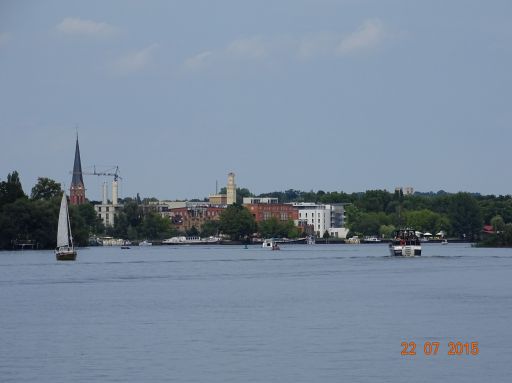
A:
[77,190]
[231,189]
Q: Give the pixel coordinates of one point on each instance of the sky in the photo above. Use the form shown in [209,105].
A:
[333,95]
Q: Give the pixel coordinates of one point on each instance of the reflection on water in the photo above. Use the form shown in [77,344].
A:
[323,313]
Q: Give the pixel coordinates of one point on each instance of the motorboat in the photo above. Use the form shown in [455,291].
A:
[270,244]
[405,243]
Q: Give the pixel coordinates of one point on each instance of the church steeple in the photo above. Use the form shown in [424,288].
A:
[77,190]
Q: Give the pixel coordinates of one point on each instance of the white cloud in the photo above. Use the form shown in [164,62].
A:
[135,61]
[198,61]
[317,45]
[4,38]
[79,27]
[369,35]
[249,48]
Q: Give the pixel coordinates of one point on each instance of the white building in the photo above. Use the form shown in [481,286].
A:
[108,210]
[322,218]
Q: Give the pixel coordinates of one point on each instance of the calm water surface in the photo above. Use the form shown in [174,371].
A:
[226,314]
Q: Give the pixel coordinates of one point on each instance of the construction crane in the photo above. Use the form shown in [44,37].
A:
[112,172]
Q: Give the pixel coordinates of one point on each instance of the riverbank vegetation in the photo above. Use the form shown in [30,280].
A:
[33,218]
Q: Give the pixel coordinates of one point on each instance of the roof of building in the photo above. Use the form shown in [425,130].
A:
[77,167]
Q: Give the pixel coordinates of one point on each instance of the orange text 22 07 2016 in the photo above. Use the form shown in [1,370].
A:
[434,348]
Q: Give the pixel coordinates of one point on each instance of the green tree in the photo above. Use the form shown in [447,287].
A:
[273,227]
[353,215]
[241,193]
[387,231]
[155,226]
[133,213]
[26,220]
[465,216]
[46,188]
[375,200]
[93,223]
[79,228]
[210,228]
[237,222]
[425,220]
[193,232]
[131,233]
[498,224]
[11,190]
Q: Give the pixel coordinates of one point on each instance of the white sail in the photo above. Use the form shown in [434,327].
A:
[62,230]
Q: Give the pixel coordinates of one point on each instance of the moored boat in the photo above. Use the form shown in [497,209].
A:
[372,239]
[405,243]
[191,240]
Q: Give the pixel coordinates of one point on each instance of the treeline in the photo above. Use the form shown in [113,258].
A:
[33,219]
[379,212]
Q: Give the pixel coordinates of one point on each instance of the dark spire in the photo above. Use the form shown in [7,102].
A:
[77,167]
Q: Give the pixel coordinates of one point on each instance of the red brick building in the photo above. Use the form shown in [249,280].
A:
[265,211]
[186,217]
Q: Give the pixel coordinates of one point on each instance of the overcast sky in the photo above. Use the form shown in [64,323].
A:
[306,94]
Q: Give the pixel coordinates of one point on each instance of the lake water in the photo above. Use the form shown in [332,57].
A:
[335,313]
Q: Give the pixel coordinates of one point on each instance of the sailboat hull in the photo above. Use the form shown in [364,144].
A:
[65,255]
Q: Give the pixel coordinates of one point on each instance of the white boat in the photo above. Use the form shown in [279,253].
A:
[190,240]
[405,243]
[270,244]
[372,239]
[145,243]
[65,250]
[444,242]
[353,240]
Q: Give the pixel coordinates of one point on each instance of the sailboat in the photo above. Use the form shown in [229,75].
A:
[65,250]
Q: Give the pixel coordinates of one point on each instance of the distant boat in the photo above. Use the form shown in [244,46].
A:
[444,242]
[145,243]
[65,250]
[353,240]
[405,243]
[190,240]
[270,244]
[371,239]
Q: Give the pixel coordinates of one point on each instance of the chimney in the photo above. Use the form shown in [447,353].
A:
[114,192]
[105,200]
